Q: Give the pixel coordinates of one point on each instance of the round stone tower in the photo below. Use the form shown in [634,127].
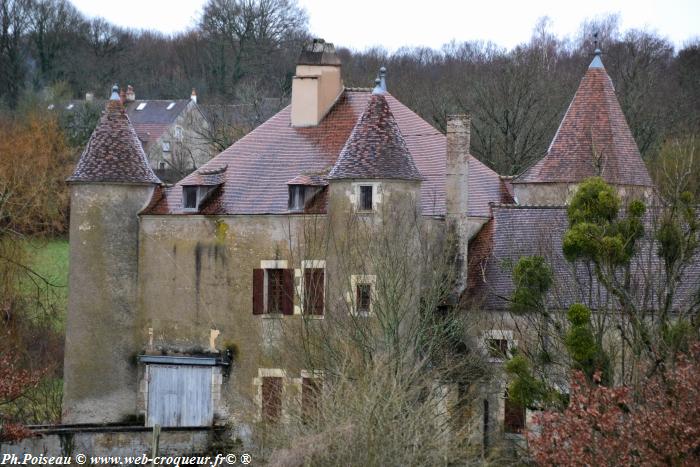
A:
[111,184]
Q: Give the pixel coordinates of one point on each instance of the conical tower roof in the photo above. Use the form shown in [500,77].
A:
[114,153]
[375,149]
[593,139]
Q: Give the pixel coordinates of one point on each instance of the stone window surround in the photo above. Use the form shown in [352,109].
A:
[271,264]
[351,297]
[355,196]
[299,274]
[258,382]
[503,334]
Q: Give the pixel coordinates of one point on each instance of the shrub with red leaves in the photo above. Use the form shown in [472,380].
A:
[613,426]
[14,383]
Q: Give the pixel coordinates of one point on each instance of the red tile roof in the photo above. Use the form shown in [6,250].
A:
[593,139]
[262,163]
[114,153]
[376,148]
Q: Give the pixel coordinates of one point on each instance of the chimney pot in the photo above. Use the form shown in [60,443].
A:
[193,96]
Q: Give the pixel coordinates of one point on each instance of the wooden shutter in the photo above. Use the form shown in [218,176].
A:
[310,392]
[258,291]
[288,291]
[271,398]
[313,291]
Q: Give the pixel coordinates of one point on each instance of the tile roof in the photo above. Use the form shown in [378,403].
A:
[113,153]
[376,148]
[154,119]
[517,231]
[593,139]
[262,163]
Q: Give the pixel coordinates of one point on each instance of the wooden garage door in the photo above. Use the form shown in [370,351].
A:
[179,395]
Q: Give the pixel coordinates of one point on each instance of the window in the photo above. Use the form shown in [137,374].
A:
[362,293]
[313,290]
[364,297]
[170,106]
[514,416]
[141,106]
[161,165]
[190,197]
[271,398]
[296,197]
[178,133]
[166,146]
[273,289]
[366,197]
[497,344]
[310,392]
[498,348]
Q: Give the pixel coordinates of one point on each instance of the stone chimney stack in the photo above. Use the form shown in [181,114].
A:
[317,84]
[193,96]
[130,94]
[457,191]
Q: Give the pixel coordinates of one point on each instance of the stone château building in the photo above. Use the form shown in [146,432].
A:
[165,282]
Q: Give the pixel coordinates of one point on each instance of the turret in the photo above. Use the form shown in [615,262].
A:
[111,184]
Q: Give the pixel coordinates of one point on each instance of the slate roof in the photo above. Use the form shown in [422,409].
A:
[155,118]
[516,231]
[376,148]
[262,163]
[593,125]
[113,153]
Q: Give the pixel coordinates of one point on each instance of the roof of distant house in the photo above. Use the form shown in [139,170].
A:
[262,163]
[593,139]
[114,153]
[151,118]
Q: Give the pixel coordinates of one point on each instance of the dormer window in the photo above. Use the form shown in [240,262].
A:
[189,196]
[200,187]
[296,197]
[141,106]
[302,191]
[170,106]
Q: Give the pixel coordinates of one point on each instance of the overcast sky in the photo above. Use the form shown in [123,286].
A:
[359,24]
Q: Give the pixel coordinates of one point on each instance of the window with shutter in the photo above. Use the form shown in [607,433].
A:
[313,291]
[273,291]
[271,398]
[310,392]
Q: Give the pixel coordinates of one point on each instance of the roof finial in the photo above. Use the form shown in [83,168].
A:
[115,93]
[382,77]
[597,62]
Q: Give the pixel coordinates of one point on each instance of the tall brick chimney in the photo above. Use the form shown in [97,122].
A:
[457,191]
[317,83]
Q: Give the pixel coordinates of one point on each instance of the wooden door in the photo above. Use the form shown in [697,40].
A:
[179,395]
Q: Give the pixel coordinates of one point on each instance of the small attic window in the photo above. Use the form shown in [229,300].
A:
[70,106]
[170,106]
[189,195]
[141,106]
[296,197]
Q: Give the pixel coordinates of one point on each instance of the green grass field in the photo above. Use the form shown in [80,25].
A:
[49,259]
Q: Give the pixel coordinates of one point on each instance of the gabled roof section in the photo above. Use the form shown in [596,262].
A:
[376,149]
[114,153]
[593,139]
